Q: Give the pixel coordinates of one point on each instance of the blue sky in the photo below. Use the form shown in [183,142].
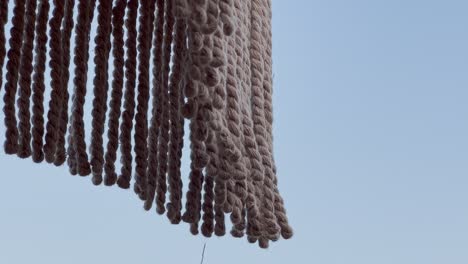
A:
[371,143]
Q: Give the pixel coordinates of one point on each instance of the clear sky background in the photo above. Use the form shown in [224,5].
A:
[371,143]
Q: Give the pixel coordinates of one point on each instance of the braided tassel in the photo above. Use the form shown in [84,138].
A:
[13,56]
[38,86]
[26,68]
[118,14]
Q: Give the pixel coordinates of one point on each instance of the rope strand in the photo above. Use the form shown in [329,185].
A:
[13,63]
[26,69]
[101,51]
[57,93]
[156,105]
[141,122]
[38,86]
[3,21]
[77,144]
[68,23]
[118,52]
[164,127]
[175,186]
[129,98]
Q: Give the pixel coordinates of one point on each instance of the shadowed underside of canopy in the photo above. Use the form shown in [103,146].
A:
[208,62]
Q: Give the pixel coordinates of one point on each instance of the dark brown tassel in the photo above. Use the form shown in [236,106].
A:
[198,162]
[129,97]
[12,67]
[101,51]
[57,92]
[77,132]
[3,20]
[118,14]
[156,105]
[207,227]
[26,68]
[163,138]
[175,92]
[68,23]
[38,86]
[141,122]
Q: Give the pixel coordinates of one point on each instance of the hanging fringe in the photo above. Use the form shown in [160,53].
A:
[211,65]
